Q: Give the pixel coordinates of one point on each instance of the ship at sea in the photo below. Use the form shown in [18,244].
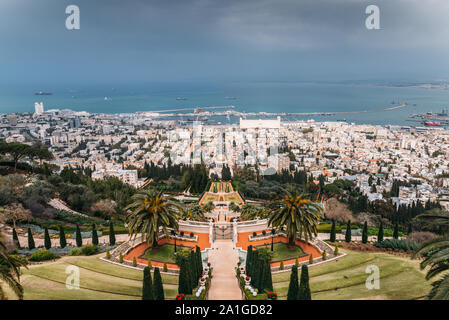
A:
[181,98]
[433,124]
[42,93]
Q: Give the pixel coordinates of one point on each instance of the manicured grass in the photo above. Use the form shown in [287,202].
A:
[164,253]
[282,251]
[98,280]
[344,278]
[233,198]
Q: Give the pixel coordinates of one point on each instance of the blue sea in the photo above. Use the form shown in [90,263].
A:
[249,97]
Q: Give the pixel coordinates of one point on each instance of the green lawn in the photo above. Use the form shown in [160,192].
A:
[344,278]
[99,280]
[232,197]
[282,251]
[164,253]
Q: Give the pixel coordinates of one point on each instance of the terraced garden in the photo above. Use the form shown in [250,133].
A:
[99,280]
[344,278]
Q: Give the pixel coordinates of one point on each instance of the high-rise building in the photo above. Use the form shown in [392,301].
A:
[38,108]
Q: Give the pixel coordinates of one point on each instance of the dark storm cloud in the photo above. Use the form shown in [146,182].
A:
[221,39]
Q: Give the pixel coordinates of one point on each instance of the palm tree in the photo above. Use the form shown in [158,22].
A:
[436,255]
[10,271]
[297,214]
[150,212]
[194,213]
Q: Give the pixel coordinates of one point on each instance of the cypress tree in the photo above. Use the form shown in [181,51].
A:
[267,277]
[193,269]
[396,231]
[310,259]
[79,239]
[410,230]
[348,234]
[47,241]
[333,233]
[15,238]
[158,288]
[380,235]
[199,261]
[248,260]
[94,235]
[365,233]
[184,282]
[304,288]
[147,287]
[111,234]
[293,286]
[62,240]
[31,244]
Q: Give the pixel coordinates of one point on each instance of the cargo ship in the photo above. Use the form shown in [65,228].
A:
[42,93]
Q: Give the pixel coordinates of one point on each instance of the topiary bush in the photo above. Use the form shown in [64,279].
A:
[89,250]
[43,255]
[121,258]
[134,262]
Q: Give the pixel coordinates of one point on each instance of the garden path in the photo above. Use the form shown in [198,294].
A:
[224,259]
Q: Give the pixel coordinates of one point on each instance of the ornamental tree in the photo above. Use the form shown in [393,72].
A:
[333,233]
[158,289]
[293,286]
[147,287]
[111,234]
[304,288]
[31,244]
[348,234]
[79,239]
[62,240]
[365,233]
[94,235]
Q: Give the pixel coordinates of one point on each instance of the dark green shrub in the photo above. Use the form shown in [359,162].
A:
[304,288]
[333,232]
[365,233]
[43,255]
[94,235]
[79,240]
[89,250]
[15,238]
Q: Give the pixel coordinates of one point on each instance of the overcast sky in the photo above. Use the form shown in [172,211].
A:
[222,40]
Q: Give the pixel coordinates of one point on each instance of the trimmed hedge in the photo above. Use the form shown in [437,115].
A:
[43,255]
[397,244]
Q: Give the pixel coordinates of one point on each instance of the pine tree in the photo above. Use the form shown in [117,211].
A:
[31,244]
[94,235]
[15,238]
[47,241]
[333,233]
[147,287]
[396,231]
[304,288]
[62,240]
[348,234]
[268,278]
[79,239]
[158,288]
[293,286]
[248,260]
[111,234]
[365,233]
[380,235]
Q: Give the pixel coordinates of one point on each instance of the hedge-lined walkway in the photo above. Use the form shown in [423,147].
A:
[224,258]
